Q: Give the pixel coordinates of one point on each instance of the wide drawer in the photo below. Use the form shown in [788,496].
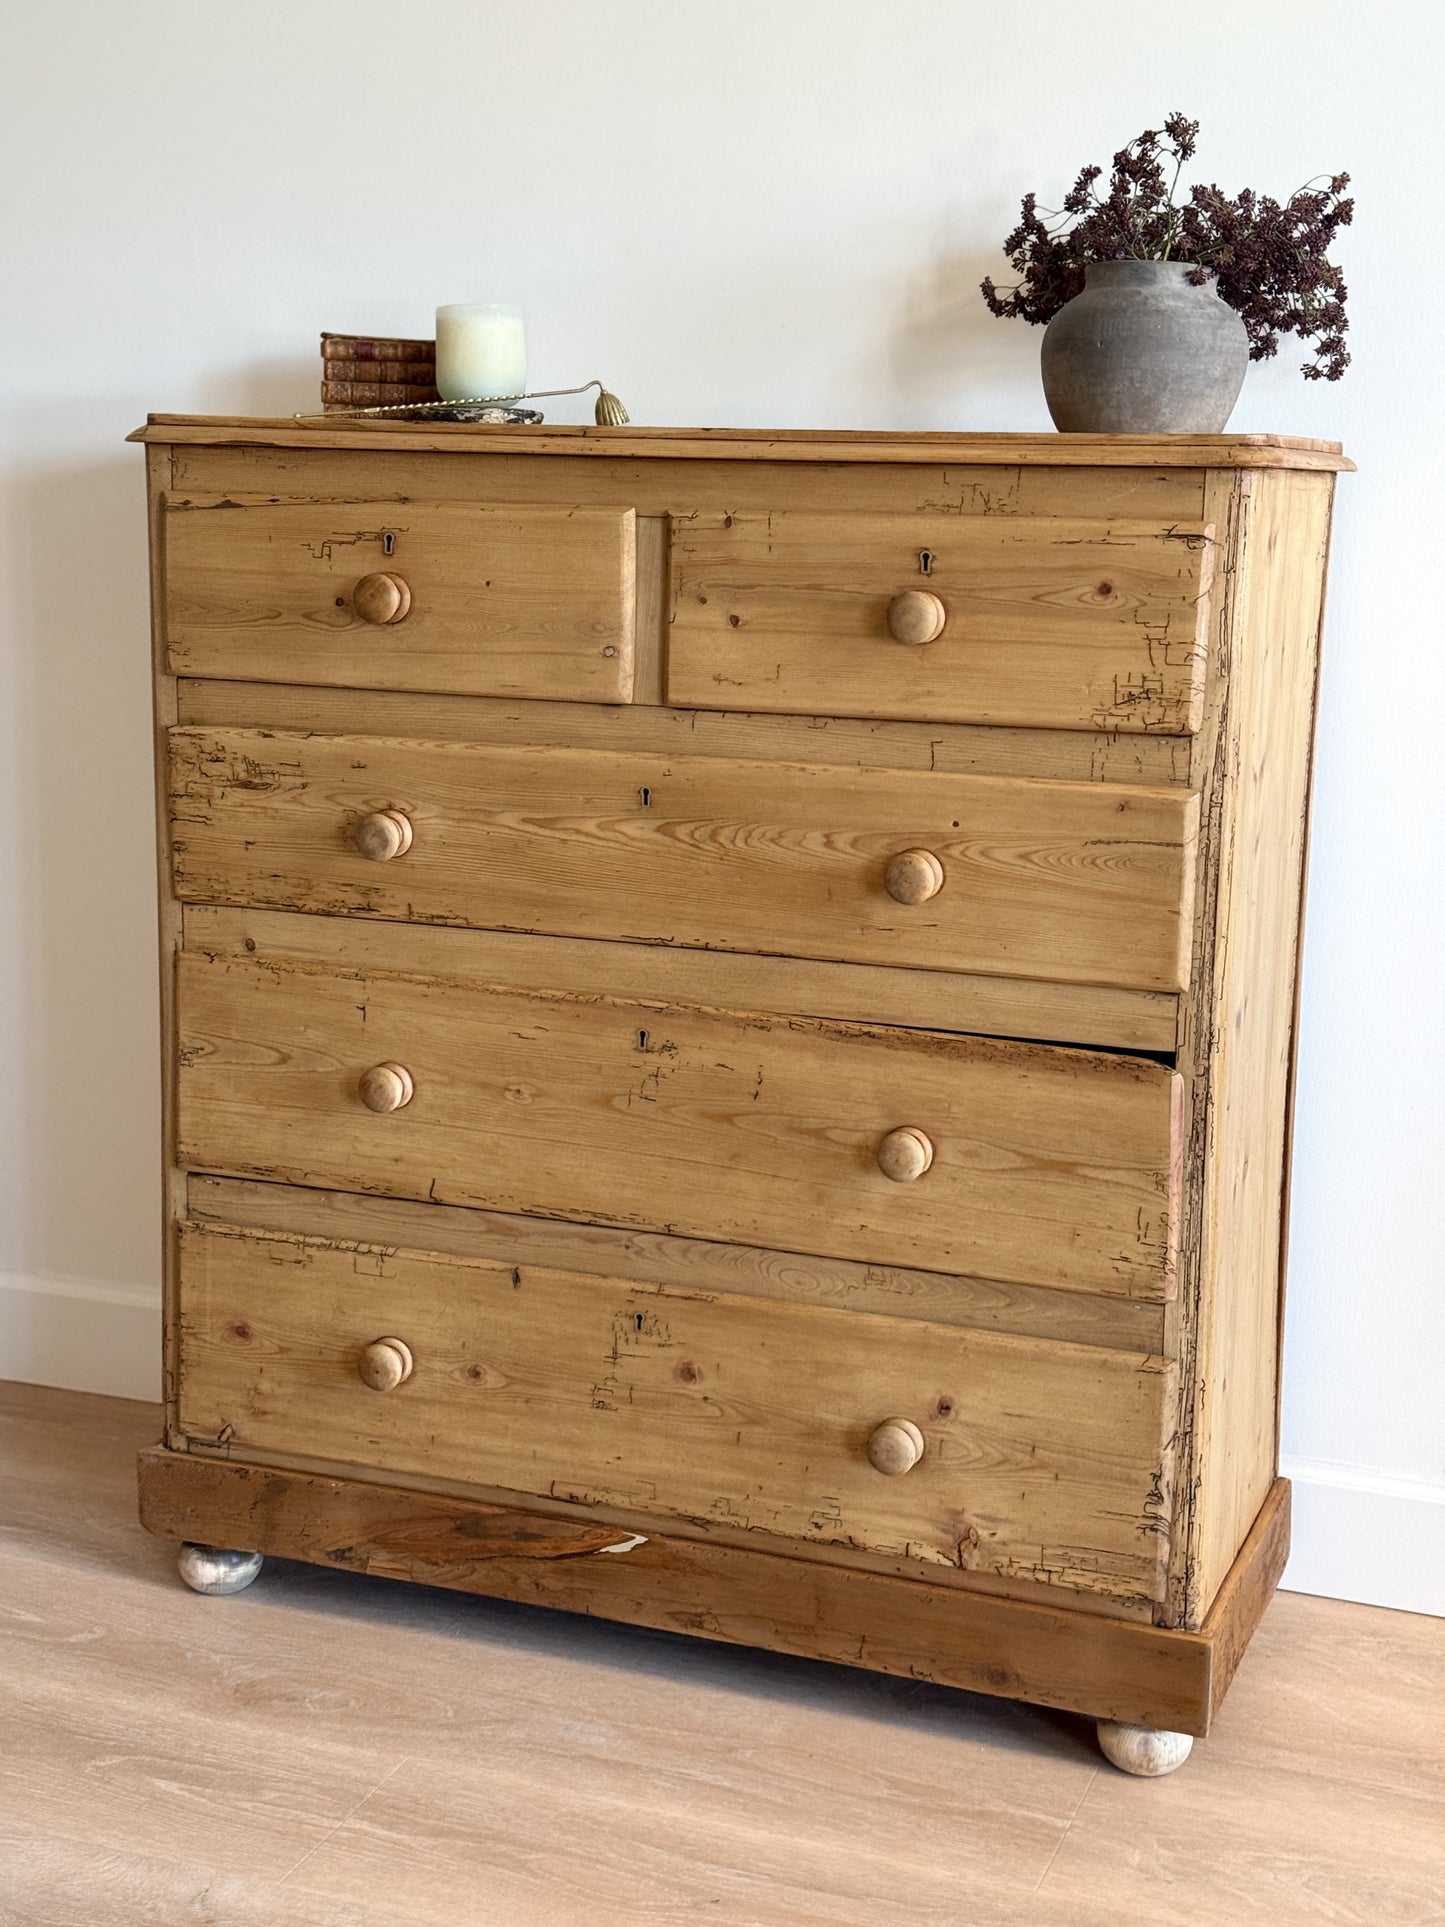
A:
[1040,1165]
[1041,1461]
[1068,882]
[473,599]
[1044,622]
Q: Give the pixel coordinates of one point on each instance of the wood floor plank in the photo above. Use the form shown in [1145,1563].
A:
[1236,1844]
[329,1750]
[1365,1687]
[822,1830]
[50,1881]
[129,1771]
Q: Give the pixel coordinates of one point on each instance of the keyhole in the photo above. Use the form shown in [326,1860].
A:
[646,798]
[388,543]
[925,561]
[642,1040]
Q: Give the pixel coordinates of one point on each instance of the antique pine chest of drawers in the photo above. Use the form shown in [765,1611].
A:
[729,1008]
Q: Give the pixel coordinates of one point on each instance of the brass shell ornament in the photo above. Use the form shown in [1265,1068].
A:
[609,411]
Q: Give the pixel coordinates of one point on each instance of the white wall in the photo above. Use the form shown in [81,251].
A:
[773,213]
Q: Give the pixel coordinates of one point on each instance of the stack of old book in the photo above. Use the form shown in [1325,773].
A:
[358,371]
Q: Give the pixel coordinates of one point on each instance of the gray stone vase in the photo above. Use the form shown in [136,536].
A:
[1143,352]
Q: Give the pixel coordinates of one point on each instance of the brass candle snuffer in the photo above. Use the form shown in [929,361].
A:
[608,412]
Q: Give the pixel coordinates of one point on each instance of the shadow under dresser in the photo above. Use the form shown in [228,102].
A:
[729,1006]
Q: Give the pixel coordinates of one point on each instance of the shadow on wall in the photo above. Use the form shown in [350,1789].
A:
[82,835]
[81,1194]
[952,364]
[289,385]
[82,839]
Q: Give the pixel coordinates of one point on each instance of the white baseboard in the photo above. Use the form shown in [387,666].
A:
[81,1336]
[1356,1535]
[1363,1536]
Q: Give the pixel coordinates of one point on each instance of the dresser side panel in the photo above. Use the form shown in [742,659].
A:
[1239,1032]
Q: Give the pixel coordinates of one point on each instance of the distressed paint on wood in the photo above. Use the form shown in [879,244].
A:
[1108,1668]
[1238,1025]
[1224,1444]
[1133,1020]
[1079,624]
[504,601]
[811,445]
[652,1257]
[846,742]
[1081,882]
[1040,1460]
[1053,1167]
[663,484]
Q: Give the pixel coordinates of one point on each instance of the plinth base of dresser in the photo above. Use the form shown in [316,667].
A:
[1113,1669]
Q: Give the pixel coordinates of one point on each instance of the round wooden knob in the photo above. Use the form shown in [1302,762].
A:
[382,835]
[916,616]
[895,1447]
[381,598]
[905,1154]
[385,1364]
[913,876]
[385,1087]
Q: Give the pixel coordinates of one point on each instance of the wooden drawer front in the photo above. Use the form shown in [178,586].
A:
[1068,882]
[1039,1460]
[504,601]
[1049,1166]
[1049,623]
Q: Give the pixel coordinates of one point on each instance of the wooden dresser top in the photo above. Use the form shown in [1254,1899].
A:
[750,444]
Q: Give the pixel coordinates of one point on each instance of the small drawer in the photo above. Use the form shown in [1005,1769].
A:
[1017,1162]
[974,1450]
[1084,883]
[468,599]
[1013,619]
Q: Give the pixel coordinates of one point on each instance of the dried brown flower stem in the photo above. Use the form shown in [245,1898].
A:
[1269,259]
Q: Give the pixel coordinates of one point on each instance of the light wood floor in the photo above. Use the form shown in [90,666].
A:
[327,1750]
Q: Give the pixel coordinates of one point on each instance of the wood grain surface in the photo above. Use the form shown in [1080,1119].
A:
[512,1238]
[947,1000]
[270,1760]
[750,1597]
[1237,1023]
[1063,624]
[1074,882]
[848,742]
[814,445]
[503,601]
[703,1114]
[1256,989]
[1051,1167]
[1038,1460]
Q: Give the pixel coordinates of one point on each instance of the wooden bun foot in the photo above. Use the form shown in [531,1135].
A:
[210,1569]
[1146,1751]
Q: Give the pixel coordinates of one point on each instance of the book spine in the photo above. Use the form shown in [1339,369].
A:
[375,394]
[414,373]
[365,348]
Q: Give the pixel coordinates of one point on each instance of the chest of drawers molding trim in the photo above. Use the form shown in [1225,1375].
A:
[367,821]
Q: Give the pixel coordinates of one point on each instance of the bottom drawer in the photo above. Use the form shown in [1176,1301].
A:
[1039,1461]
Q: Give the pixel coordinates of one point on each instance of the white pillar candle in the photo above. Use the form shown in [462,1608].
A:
[480,352]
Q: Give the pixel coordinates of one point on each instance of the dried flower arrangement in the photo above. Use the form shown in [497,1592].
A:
[1269,259]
